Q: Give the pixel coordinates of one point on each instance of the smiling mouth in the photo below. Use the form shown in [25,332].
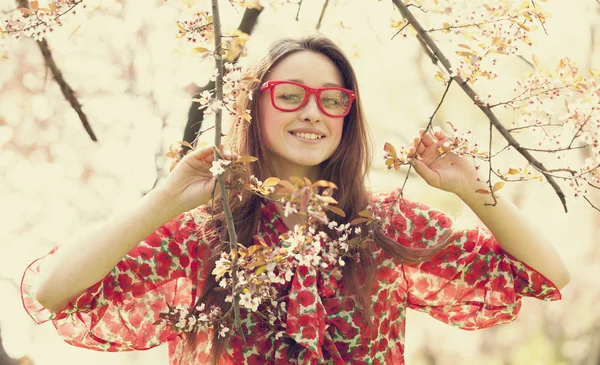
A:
[307,136]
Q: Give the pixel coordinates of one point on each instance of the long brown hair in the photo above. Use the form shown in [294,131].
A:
[348,168]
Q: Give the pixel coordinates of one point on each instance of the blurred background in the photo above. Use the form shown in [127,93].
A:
[135,80]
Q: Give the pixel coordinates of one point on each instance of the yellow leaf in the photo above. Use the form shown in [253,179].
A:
[536,61]
[498,186]
[439,76]
[200,50]
[464,46]
[252,249]
[271,181]
[286,184]
[181,27]
[463,53]
[397,23]
[296,180]
[512,171]
[260,270]
[34,5]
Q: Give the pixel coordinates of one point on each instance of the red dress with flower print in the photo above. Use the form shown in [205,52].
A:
[470,284]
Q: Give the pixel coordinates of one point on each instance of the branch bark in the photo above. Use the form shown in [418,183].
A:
[65,88]
[196,116]
[433,49]
[220,177]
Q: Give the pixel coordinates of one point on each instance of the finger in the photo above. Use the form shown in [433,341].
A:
[438,132]
[425,172]
[426,138]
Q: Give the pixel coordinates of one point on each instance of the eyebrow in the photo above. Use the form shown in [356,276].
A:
[327,84]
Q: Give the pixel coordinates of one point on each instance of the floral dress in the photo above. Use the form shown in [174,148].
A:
[470,284]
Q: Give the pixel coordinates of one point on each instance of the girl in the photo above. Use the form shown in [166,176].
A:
[105,291]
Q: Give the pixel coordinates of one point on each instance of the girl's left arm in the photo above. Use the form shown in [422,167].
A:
[516,234]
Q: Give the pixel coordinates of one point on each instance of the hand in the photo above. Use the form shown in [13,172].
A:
[190,184]
[442,170]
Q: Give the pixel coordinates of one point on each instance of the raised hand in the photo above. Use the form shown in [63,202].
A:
[191,182]
[438,166]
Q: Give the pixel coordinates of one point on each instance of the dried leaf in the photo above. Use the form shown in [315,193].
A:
[390,149]
[365,213]
[329,199]
[358,221]
[482,191]
[286,184]
[337,211]
[34,5]
[464,46]
[247,159]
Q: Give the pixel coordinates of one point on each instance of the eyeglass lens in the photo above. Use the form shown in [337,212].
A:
[290,96]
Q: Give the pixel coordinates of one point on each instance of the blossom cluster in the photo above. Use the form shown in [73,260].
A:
[198,29]
[181,319]
[37,22]
[234,84]
[482,30]
[262,269]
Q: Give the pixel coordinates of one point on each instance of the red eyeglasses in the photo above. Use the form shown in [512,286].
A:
[289,96]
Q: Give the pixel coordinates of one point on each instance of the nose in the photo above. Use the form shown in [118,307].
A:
[310,112]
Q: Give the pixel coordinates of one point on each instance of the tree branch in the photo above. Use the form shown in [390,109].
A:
[196,116]
[473,95]
[220,177]
[322,14]
[65,88]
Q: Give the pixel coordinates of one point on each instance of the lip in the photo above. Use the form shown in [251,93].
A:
[313,141]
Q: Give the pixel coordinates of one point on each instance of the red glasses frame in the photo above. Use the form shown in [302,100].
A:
[309,90]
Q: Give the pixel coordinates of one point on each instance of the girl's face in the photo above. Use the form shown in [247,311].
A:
[293,155]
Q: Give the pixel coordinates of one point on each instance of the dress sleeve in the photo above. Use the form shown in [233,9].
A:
[472,283]
[120,312]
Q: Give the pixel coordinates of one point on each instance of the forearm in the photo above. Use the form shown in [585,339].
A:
[88,258]
[517,235]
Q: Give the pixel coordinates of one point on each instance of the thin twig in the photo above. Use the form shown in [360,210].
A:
[220,177]
[298,12]
[414,155]
[473,95]
[322,14]
[537,16]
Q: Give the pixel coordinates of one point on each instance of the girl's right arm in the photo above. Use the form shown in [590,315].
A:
[93,254]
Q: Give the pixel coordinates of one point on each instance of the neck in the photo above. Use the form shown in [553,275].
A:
[285,170]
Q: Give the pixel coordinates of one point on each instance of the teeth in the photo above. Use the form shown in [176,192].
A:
[307,135]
